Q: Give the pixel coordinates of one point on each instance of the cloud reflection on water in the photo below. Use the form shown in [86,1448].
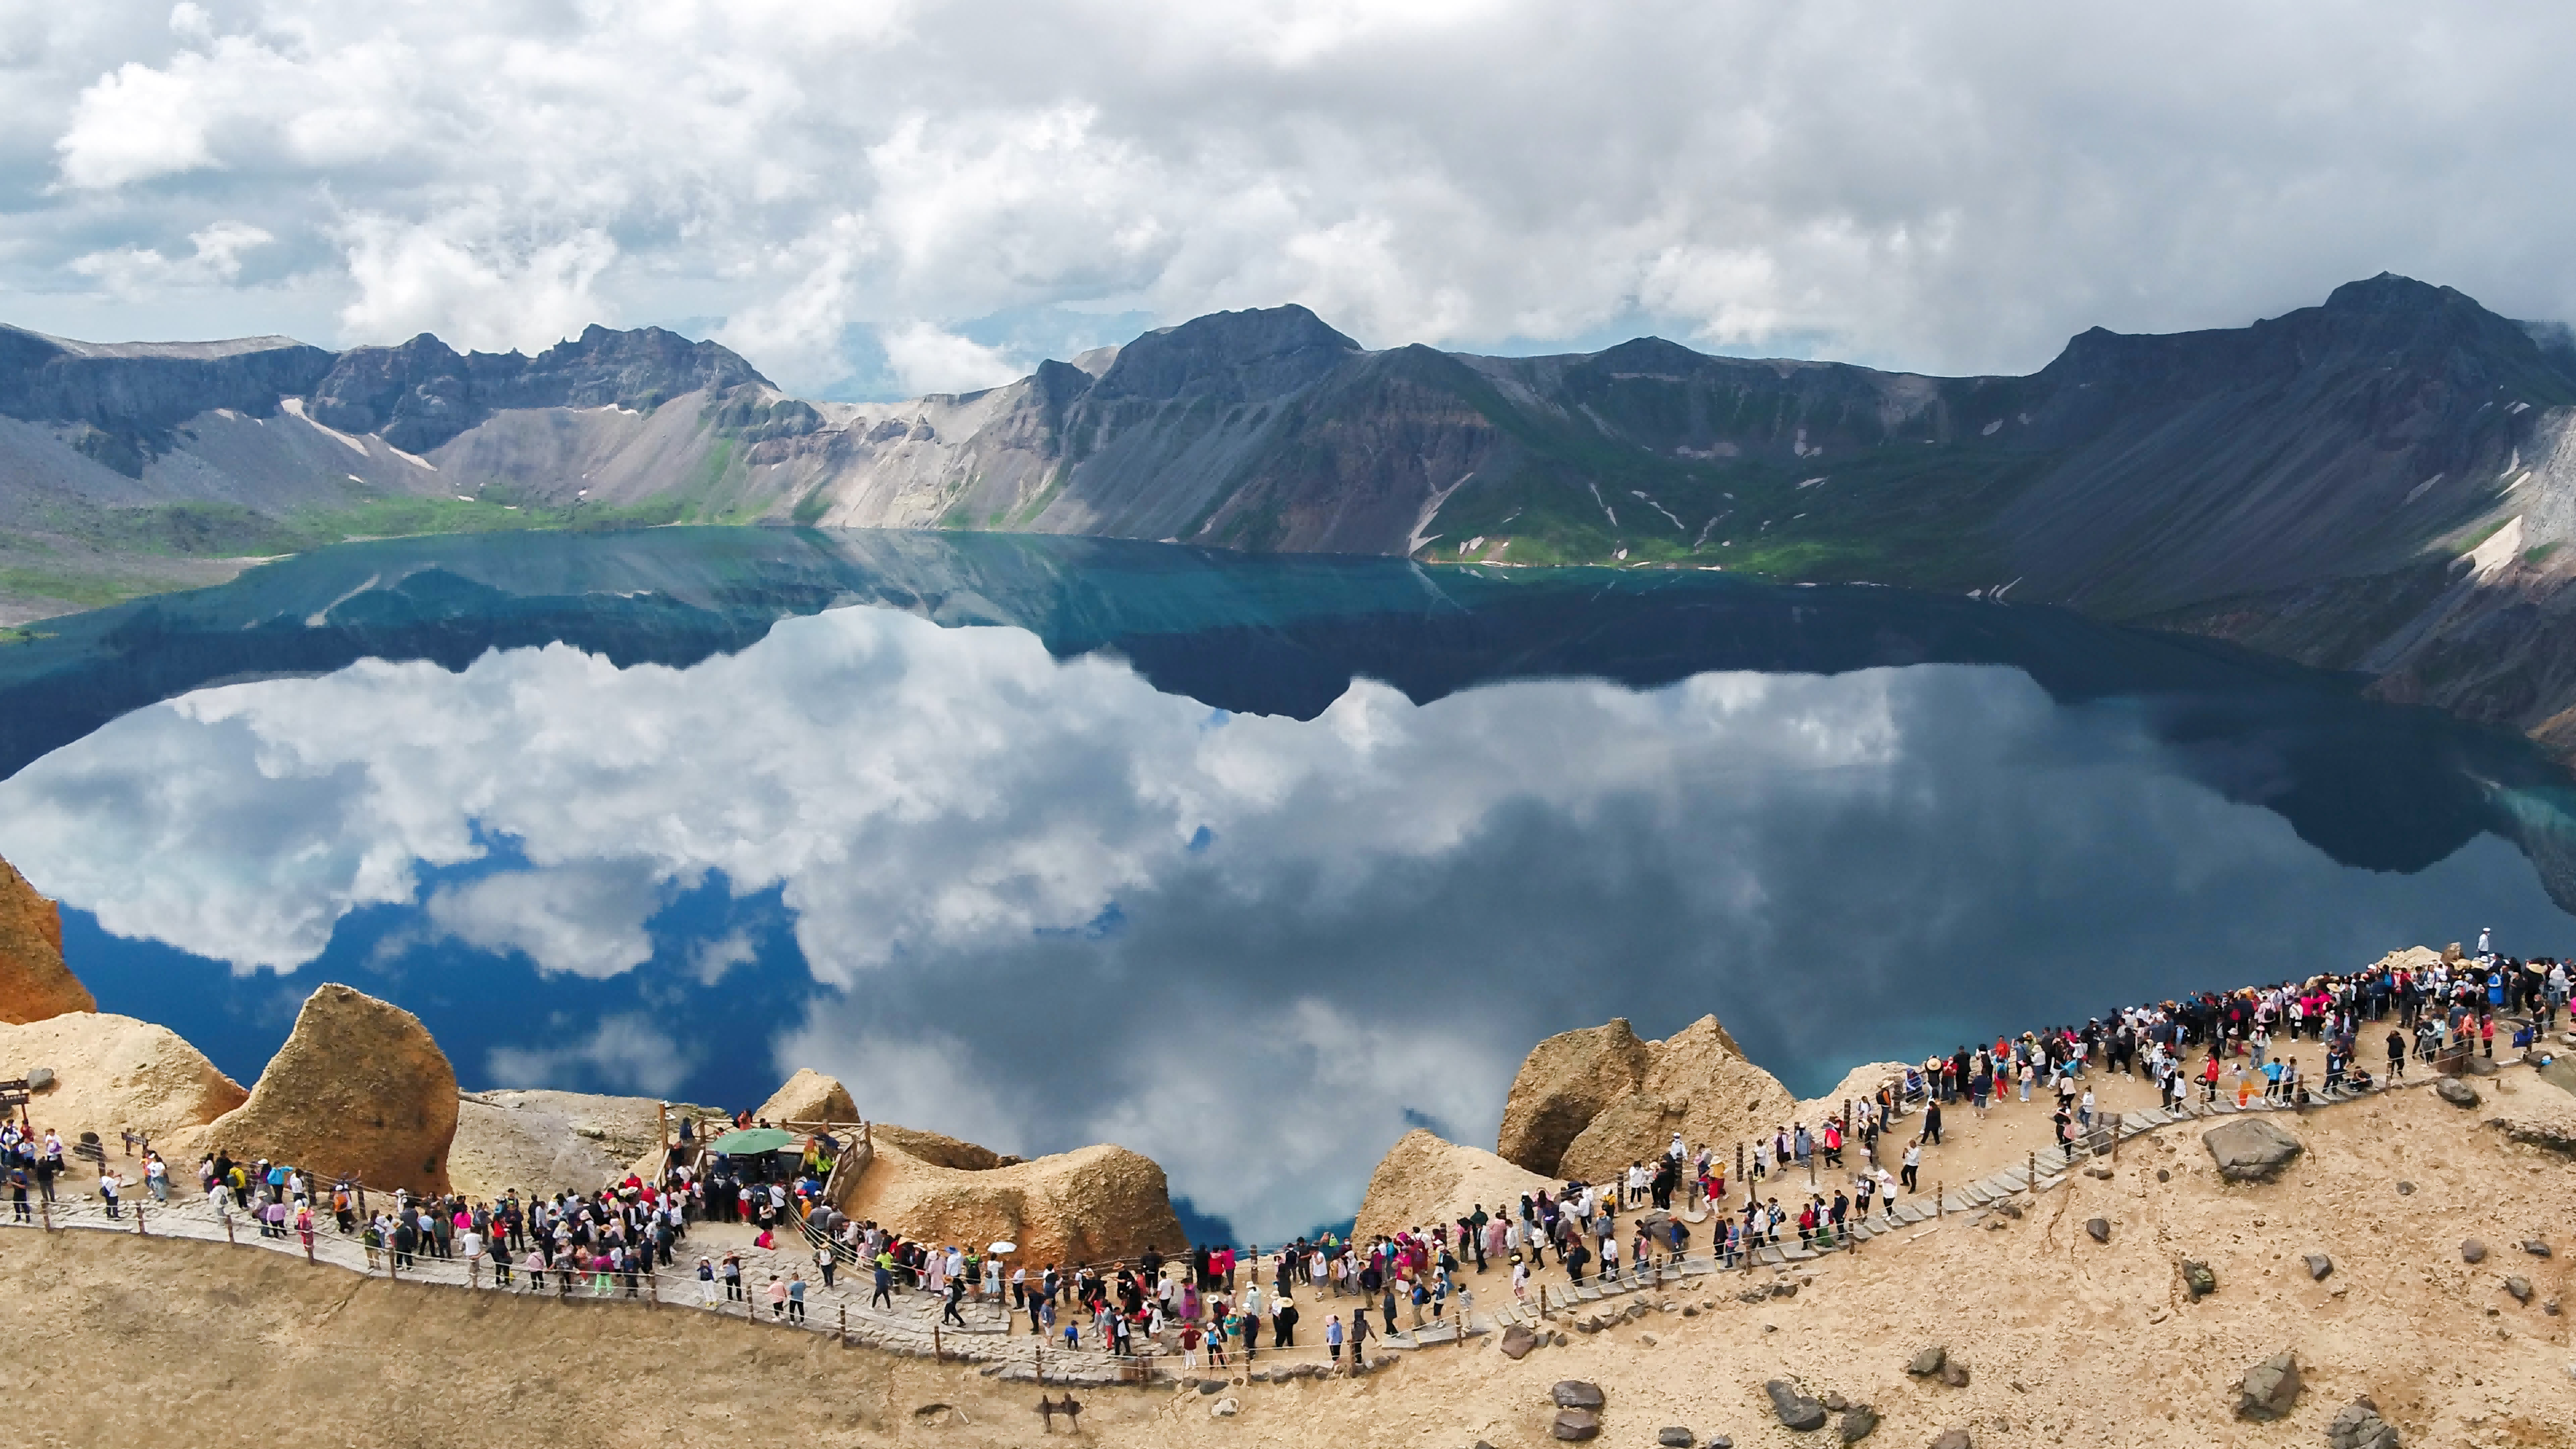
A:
[1061,907]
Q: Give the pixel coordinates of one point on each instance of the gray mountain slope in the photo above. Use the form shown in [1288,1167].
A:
[2382,482]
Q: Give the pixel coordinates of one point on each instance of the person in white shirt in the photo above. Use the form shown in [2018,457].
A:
[469,1246]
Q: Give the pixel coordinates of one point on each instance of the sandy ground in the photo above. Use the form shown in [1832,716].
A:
[2068,1341]
[539,1141]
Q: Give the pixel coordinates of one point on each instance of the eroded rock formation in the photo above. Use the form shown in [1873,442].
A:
[113,1074]
[1090,1205]
[359,1088]
[808,1096]
[1423,1180]
[1588,1103]
[35,982]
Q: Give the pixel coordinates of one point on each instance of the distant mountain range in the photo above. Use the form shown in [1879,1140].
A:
[2382,483]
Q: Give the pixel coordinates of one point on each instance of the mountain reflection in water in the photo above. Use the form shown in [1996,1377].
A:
[1246,863]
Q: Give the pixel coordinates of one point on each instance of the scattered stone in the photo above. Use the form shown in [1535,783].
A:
[2405,1188]
[1795,1410]
[2472,1251]
[2319,1265]
[2536,1248]
[1859,1422]
[40,1079]
[1928,1361]
[2198,1279]
[1834,1402]
[2550,1308]
[2519,1287]
[1955,1374]
[1953,1439]
[2162,1175]
[2009,1208]
[2270,1389]
[2456,1092]
[2358,1426]
[2098,1173]
[1721,1441]
[1675,1437]
[1575,1424]
[1558,1339]
[1648,1339]
[1690,1310]
[1575,1394]
[2099,1229]
[1225,1408]
[2251,1149]
[1517,1342]
[1210,1388]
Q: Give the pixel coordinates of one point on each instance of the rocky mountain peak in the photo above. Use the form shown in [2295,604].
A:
[1231,354]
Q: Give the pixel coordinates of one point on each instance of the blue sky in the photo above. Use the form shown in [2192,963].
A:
[875,197]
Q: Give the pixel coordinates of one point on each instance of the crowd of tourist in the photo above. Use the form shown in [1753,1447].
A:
[1217,1307]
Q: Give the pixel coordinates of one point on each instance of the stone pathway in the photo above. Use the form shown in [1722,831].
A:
[1971,1202]
[912,1328]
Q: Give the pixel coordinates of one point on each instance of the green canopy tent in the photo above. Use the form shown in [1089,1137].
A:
[752,1141]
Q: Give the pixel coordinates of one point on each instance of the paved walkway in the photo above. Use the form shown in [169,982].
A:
[911,1329]
[1971,1202]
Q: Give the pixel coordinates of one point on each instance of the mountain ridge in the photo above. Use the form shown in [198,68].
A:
[2329,484]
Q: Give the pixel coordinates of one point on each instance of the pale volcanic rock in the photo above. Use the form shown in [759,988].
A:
[360,1089]
[1564,1083]
[808,1096]
[114,1073]
[938,1149]
[540,1141]
[1090,1205]
[1423,1181]
[35,983]
[1697,1082]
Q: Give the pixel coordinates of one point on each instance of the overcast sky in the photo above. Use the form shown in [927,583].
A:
[878,198]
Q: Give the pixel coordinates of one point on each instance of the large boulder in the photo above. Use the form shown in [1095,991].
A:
[1423,1181]
[2250,1149]
[1563,1084]
[2456,1092]
[1090,1205]
[113,1074]
[808,1097]
[1588,1103]
[2270,1389]
[35,983]
[360,1090]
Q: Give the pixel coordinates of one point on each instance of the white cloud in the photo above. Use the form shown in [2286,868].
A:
[992,853]
[626,1053]
[215,259]
[476,288]
[1956,187]
[928,360]
[581,921]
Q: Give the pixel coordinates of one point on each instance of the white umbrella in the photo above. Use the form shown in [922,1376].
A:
[1001,1248]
